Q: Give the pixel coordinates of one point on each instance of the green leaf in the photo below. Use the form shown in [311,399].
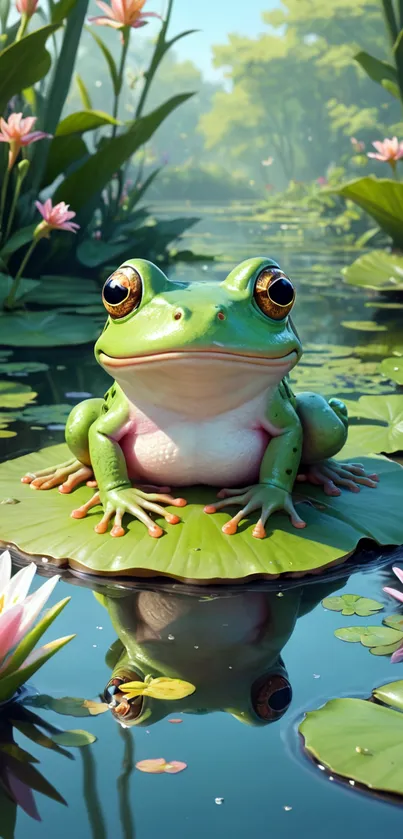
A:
[375,69]
[30,776]
[386,432]
[352,634]
[82,186]
[63,152]
[378,270]
[19,754]
[58,291]
[15,395]
[364,325]
[82,121]
[383,639]
[390,694]
[352,604]
[197,549]
[92,252]
[381,198]
[358,740]
[61,10]
[395,621]
[386,649]
[24,63]
[45,414]
[85,96]
[113,71]
[71,706]
[17,240]
[46,329]
[10,684]
[30,640]
[391,88]
[24,289]
[73,738]
[392,368]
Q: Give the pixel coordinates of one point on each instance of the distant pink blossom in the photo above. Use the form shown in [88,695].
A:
[357,145]
[18,132]
[388,152]
[321,181]
[26,7]
[122,13]
[56,217]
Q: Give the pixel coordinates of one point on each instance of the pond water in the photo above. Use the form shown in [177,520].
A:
[244,774]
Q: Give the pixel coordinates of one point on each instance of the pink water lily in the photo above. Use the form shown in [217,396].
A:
[26,7]
[394,592]
[388,151]
[122,13]
[17,132]
[56,217]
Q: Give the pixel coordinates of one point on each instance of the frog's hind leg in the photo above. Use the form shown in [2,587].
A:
[325,426]
[78,469]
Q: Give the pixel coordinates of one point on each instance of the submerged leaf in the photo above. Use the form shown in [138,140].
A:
[74,738]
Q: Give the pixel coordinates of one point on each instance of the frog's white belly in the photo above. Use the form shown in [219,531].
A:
[225,450]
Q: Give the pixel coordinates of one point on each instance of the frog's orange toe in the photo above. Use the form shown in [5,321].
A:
[156,531]
[78,514]
[210,508]
[180,502]
[117,530]
[230,528]
[172,519]
[258,531]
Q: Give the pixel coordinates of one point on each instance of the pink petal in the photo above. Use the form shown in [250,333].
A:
[398,572]
[398,595]
[105,8]
[176,721]
[70,226]
[10,622]
[104,21]
[119,11]
[34,604]
[377,156]
[155,766]
[27,124]
[379,146]
[175,766]
[34,137]
[397,656]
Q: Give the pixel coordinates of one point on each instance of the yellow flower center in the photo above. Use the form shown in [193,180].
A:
[1,603]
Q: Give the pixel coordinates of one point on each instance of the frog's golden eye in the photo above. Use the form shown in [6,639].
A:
[122,292]
[274,293]
[271,696]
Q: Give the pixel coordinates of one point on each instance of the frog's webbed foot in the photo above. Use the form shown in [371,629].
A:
[117,502]
[66,476]
[265,498]
[331,474]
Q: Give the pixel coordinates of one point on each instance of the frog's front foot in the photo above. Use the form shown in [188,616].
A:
[330,474]
[66,476]
[267,498]
[117,502]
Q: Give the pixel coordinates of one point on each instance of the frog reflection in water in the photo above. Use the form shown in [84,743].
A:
[201,396]
[228,647]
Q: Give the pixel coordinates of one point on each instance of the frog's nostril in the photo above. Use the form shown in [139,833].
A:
[221,316]
[178,314]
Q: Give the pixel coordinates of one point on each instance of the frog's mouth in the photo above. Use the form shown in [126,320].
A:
[286,361]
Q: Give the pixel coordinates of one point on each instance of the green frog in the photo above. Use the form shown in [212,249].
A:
[201,395]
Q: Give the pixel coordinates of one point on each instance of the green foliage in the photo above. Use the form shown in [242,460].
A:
[381,198]
[377,270]
[24,63]
[376,425]
[352,604]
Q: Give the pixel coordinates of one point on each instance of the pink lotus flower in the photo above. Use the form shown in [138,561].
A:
[56,217]
[398,595]
[18,132]
[122,13]
[26,7]
[389,151]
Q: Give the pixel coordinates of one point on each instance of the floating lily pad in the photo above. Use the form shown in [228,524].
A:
[382,640]
[45,329]
[59,291]
[384,434]
[352,604]
[74,738]
[339,376]
[22,368]
[364,325]
[5,420]
[360,740]
[392,368]
[196,549]
[24,288]
[378,270]
[46,414]
[15,395]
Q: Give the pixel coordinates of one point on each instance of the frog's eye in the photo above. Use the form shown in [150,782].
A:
[122,292]
[271,696]
[274,293]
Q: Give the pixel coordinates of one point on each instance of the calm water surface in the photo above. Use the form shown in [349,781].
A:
[225,645]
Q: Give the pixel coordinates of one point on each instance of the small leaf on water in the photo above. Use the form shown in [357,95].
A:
[159,766]
[95,708]
[352,604]
[74,738]
[390,694]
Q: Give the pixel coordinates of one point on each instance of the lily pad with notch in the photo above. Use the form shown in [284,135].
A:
[383,433]
[352,604]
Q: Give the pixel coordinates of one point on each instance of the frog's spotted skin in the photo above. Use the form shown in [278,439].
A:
[200,395]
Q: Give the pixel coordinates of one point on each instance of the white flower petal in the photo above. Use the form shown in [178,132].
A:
[5,571]
[19,585]
[34,604]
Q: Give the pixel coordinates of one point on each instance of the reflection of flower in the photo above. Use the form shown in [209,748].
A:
[54,218]
[268,161]
[122,13]
[26,7]
[398,595]
[18,132]
[18,613]
[389,151]
[358,145]
[158,765]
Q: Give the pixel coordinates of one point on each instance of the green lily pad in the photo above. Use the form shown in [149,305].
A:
[392,368]
[339,376]
[22,368]
[5,420]
[390,694]
[24,289]
[378,270]
[15,395]
[196,549]
[46,414]
[395,621]
[46,329]
[352,604]
[327,350]
[358,740]
[364,325]
[59,291]
[74,738]
[382,640]
[384,434]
